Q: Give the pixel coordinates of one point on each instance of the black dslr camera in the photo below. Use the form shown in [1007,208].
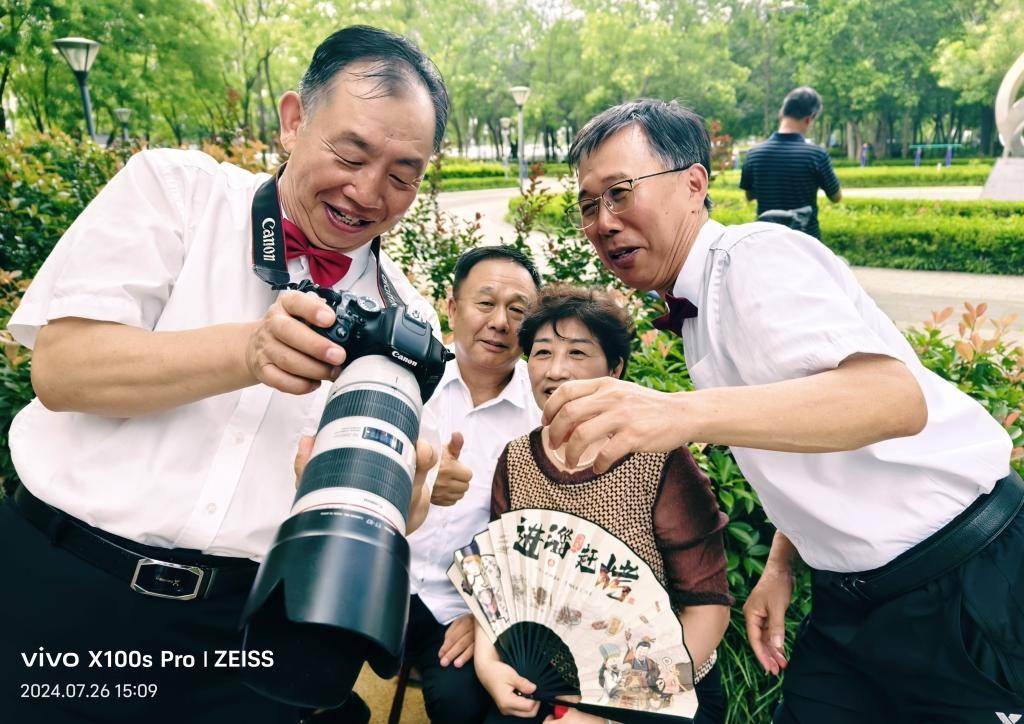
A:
[333,590]
[363,328]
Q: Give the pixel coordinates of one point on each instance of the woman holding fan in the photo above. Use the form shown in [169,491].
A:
[659,504]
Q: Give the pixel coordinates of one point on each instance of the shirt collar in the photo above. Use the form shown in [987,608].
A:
[360,258]
[688,283]
[517,392]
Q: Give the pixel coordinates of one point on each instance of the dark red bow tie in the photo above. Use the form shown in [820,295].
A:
[326,267]
[679,309]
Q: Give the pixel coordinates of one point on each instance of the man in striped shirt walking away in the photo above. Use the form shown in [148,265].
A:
[785,172]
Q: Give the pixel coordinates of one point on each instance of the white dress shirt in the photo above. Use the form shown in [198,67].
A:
[487,429]
[775,304]
[167,246]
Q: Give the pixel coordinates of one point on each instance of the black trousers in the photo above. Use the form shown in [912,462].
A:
[451,695]
[949,651]
[57,605]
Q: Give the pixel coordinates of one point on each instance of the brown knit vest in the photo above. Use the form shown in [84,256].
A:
[621,500]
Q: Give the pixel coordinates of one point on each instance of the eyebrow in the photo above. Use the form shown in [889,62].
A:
[607,180]
[572,340]
[416,164]
[490,290]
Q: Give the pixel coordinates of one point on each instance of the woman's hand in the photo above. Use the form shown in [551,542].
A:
[501,681]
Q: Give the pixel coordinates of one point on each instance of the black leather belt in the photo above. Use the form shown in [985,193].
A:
[943,551]
[146,569]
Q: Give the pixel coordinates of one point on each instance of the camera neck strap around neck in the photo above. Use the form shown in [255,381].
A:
[268,259]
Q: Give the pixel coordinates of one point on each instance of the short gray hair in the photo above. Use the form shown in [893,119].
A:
[394,63]
[674,133]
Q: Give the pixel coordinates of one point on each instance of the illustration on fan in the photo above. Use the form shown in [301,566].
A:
[573,609]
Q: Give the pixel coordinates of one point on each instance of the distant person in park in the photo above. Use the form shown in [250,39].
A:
[892,485]
[785,172]
[174,383]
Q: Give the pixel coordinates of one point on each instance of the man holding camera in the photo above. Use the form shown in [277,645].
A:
[483,402]
[893,486]
[173,384]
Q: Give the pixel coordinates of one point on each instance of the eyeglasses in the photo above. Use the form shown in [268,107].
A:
[617,198]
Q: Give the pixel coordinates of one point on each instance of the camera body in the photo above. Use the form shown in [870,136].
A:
[363,328]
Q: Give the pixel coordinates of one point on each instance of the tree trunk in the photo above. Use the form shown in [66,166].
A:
[852,140]
[3,86]
[988,124]
[905,136]
[881,140]
[454,125]
[275,121]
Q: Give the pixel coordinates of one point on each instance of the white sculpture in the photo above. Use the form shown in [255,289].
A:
[1010,111]
[1006,182]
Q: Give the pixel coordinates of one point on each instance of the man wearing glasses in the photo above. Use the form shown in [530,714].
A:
[893,486]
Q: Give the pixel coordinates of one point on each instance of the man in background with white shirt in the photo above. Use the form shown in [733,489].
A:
[891,484]
[483,402]
[173,385]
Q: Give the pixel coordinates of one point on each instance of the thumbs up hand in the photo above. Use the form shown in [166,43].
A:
[453,476]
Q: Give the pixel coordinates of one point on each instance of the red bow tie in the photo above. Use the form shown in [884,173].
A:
[679,309]
[326,267]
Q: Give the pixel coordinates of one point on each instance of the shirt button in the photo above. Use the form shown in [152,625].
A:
[211,508]
[239,439]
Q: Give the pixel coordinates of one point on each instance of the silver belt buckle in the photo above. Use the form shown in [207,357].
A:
[151,581]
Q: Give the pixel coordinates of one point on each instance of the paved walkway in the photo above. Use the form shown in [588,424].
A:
[908,297]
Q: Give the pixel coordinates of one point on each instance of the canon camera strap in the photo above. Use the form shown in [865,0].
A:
[268,245]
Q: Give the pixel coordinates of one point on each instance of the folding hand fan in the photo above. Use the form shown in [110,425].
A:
[573,609]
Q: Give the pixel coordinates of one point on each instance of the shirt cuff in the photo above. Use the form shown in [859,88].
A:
[26,322]
[830,355]
[683,599]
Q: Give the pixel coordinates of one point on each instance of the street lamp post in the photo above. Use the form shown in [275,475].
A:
[79,54]
[123,114]
[506,150]
[519,94]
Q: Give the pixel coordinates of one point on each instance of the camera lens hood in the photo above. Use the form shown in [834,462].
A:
[320,618]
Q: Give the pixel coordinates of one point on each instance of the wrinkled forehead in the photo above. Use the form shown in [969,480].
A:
[361,113]
[627,153]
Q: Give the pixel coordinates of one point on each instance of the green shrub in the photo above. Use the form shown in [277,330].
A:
[476,183]
[15,370]
[556,169]
[45,183]
[472,169]
[971,236]
[882,176]
[982,361]
[926,161]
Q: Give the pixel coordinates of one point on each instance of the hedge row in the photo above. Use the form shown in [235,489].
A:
[475,183]
[882,176]
[969,236]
